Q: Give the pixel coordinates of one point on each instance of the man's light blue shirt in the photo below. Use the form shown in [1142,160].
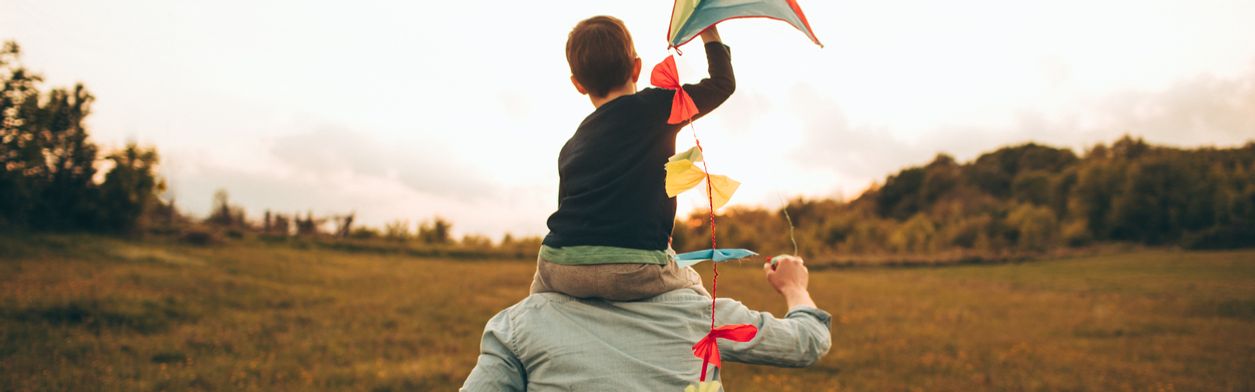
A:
[552,342]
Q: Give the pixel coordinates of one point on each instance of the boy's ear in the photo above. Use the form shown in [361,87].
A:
[636,70]
[578,87]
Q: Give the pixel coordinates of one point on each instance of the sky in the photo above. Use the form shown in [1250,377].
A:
[407,110]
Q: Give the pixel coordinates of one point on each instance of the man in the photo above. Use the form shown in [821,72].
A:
[554,342]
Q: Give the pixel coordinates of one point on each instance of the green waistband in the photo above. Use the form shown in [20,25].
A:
[592,254]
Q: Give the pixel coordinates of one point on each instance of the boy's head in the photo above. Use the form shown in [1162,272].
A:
[602,57]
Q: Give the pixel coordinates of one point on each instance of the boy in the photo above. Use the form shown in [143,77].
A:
[610,237]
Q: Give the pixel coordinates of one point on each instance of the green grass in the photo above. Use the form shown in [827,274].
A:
[84,312]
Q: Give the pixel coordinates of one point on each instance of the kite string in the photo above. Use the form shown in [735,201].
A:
[710,199]
[714,282]
[788,220]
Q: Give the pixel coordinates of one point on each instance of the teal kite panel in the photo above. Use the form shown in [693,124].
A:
[716,255]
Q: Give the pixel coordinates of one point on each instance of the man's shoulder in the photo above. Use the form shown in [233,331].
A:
[534,302]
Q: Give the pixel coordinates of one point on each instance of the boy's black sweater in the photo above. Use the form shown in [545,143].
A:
[611,179]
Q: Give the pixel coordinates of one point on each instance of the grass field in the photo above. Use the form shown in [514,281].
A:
[92,313]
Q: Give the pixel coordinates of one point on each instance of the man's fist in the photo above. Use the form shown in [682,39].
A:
[787,274]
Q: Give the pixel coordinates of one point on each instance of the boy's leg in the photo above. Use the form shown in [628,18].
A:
[538,281]
[616,282]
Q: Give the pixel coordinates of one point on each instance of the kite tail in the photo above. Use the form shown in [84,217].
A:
[707,348]
[714,281]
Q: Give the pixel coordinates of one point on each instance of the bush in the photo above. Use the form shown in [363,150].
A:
[1226,237]
[200,236]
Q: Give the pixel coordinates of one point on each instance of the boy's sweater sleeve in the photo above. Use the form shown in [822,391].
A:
[710,92]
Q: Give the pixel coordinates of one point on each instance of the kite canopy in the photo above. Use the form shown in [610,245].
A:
[691,17]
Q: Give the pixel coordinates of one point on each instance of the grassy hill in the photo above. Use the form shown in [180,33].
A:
[87,312]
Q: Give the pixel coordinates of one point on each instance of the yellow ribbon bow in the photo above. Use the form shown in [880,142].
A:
[683,174]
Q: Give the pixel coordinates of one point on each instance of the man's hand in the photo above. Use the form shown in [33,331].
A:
[711,35]
[788,275]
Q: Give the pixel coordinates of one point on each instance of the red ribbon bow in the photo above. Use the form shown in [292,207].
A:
[708,348]
[666,76]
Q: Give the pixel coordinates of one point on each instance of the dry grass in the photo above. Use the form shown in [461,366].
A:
[81,312]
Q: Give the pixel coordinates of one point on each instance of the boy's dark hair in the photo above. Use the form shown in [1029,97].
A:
[600,52]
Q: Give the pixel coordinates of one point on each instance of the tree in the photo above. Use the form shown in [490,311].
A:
[397,230]
[21,155]
[48,161]
[917,235]
[435,231]
[224,214]
[344,224]
[131,188]
[1035,227]
[309,225]
[900,197]
[67,197]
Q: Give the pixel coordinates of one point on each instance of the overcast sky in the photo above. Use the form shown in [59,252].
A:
[412,109]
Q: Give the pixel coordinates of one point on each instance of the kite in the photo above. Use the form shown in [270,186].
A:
[690,18]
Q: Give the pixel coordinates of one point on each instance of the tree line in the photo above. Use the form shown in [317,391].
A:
[1025,199]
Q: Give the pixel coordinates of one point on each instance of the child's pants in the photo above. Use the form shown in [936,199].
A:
[615,282]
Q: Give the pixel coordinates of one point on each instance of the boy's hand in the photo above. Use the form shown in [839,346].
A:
[711,35]
[789,276]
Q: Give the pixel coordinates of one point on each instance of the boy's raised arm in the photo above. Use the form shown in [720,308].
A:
[709,93]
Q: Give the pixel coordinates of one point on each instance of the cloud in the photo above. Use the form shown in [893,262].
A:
[1204,110]
[332,170]
[1201,110]
[856,151]
[424,166]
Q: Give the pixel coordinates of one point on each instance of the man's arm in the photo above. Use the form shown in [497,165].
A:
[498,369]
[799,339]
[709,93]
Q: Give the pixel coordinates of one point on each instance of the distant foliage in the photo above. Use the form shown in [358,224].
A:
[1022,199]
[436,231]
[226,215]
[130,189]
[48,165]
